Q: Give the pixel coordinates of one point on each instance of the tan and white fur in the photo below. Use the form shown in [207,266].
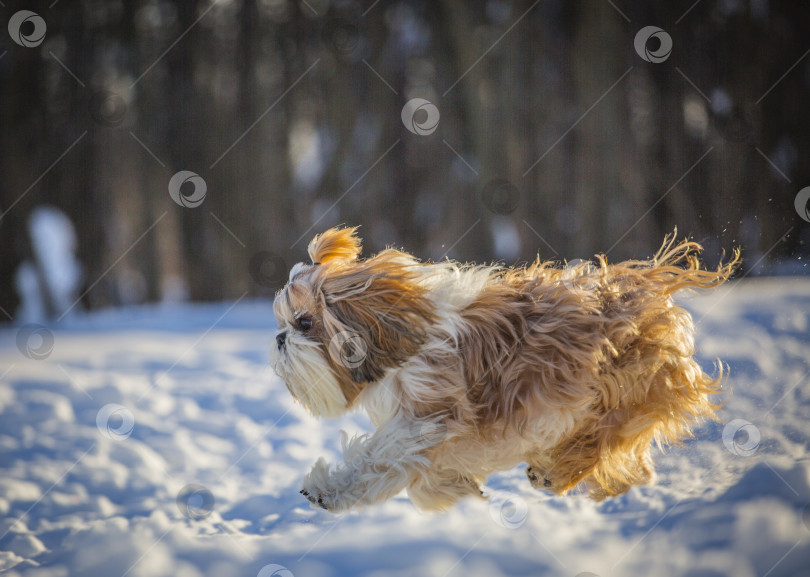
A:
[465,370]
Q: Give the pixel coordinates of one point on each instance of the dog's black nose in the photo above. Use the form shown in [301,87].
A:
[280,338]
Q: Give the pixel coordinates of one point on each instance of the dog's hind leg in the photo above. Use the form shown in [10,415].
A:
[569,463]
[539,478]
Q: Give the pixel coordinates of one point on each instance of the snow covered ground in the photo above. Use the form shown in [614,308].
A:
[157,442]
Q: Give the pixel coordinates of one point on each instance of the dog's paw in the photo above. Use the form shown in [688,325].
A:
[538,479]
[318,489]
[316,499]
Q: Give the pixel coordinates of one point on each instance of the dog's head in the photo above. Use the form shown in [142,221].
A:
[343,322]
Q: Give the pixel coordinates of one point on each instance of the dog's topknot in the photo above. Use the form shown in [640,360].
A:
[335,243]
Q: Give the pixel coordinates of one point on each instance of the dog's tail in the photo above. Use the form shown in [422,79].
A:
[676,267]
[679,267]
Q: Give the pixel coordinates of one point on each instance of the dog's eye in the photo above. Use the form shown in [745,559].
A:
[304,323]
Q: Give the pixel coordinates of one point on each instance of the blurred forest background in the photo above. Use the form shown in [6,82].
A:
[555,136]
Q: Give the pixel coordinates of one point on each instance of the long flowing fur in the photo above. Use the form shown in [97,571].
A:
[467,370]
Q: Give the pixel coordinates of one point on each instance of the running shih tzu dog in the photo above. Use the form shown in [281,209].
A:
[466,370]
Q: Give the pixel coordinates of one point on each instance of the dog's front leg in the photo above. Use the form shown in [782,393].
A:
[375,467]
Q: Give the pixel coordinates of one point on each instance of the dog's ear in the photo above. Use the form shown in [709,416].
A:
[376,315]
[335,243]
